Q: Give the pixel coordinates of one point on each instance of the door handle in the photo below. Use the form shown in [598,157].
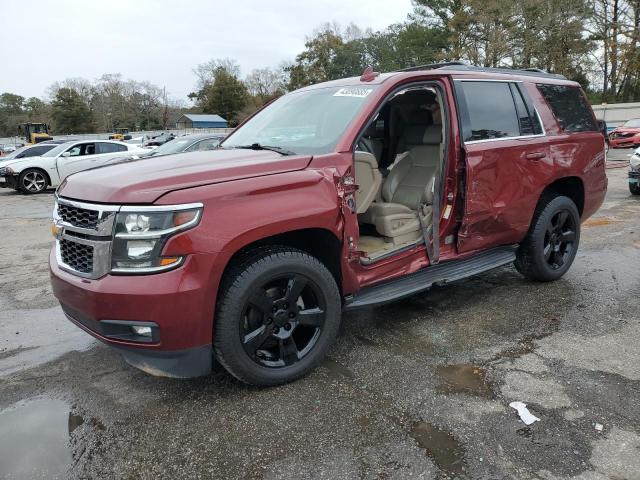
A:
[535,155]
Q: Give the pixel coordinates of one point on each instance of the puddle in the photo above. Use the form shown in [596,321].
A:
[35,439]
[464,378]
[599,222]
[441,447]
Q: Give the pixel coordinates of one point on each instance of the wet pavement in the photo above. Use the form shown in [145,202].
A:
[415,389]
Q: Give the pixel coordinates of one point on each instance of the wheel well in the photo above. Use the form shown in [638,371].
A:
[571,187]
[46,175]
[318,242]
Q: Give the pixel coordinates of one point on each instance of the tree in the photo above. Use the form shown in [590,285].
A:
[265,84]
[70,113]
[221,91]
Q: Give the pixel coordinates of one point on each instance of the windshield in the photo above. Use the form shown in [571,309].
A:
[174,146]
[633,123]
[305,122]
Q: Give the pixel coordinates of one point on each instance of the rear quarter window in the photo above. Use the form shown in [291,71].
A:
[569,107]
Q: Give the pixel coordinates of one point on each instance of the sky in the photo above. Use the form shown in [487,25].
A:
[44,41]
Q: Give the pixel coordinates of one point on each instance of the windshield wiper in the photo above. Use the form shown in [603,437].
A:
[259,146]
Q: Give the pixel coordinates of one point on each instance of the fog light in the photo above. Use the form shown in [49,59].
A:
[142,331]
[139,249]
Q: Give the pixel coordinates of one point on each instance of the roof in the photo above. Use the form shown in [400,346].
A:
[197,117]
[453,69]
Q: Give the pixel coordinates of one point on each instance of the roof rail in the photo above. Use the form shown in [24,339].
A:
[461,66]
[430,66]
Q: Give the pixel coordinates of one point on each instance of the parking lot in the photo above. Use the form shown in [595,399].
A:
[415,389]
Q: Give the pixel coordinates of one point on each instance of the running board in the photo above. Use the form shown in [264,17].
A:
[423,279]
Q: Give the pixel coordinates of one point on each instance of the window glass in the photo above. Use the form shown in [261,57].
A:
[104,147]
[527,117]
[569,108]
[492,113]
[75,151]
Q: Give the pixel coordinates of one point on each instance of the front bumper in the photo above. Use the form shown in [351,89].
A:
[176,304]
[634,177]
[8,181]
[624,142]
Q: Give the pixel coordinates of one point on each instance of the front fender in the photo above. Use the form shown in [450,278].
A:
[241,212]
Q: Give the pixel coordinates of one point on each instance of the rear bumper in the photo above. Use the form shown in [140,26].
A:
[175,304]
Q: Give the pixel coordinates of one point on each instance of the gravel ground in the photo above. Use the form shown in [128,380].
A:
[415,389]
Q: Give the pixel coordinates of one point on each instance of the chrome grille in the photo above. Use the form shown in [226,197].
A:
[78,217]
[84,237]
[77,256]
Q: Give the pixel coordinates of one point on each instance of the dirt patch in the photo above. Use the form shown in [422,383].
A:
[600,222]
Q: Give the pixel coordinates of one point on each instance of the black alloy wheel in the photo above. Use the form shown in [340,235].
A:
[559,239]
[551,244]
[277,314]
[283,320]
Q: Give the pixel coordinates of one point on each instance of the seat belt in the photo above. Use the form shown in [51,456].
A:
[427,233]
[427,230]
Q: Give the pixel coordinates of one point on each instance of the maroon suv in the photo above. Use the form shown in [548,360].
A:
[338,196]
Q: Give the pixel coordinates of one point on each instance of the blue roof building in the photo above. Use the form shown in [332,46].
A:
[196,120]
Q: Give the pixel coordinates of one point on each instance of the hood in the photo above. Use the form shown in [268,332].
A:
[145,180]
[15,162]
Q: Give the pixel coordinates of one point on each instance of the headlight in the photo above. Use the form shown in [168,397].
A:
[141,234]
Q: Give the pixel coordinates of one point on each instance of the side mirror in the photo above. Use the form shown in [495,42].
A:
[66,154]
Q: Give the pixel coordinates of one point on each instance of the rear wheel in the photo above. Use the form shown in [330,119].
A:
[32,181]
[634,188]
[552,242]
[278,314]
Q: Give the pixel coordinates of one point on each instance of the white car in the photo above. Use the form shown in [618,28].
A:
[35,174]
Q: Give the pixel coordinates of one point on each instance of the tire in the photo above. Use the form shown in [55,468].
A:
[550,247]
[32,180]
[278,313]
[634,188]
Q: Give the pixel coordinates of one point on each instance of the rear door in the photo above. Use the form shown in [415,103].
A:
[106,151]
[507,159]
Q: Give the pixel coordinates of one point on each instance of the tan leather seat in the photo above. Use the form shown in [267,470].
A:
[368,178]
[408,186]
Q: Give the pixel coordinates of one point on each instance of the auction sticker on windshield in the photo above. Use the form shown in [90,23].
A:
[353,92]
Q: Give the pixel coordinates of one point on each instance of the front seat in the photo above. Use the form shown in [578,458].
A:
[409,186]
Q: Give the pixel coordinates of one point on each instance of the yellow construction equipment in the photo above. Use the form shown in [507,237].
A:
[34,132]
[120,134]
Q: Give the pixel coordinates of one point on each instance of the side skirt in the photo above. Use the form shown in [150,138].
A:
[437,274]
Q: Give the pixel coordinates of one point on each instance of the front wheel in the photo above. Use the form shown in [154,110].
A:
[550,247]
[278,314]
[32,181]
[634,188]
